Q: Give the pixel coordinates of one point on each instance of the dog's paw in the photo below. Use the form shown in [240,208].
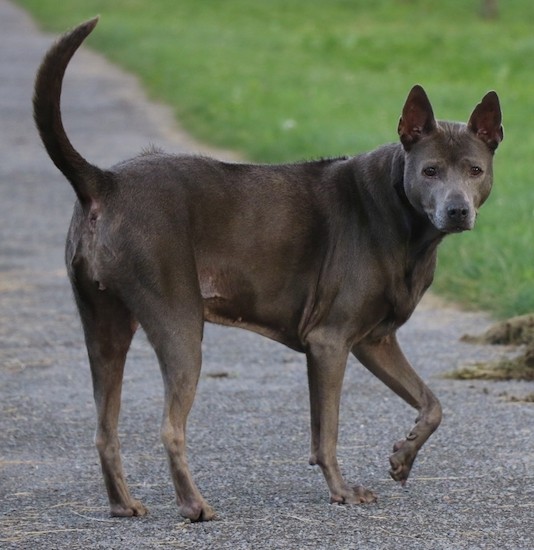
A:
[401,461]
[354,495]
[197,511]
[134,508]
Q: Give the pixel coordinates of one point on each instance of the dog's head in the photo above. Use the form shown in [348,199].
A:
[448,166]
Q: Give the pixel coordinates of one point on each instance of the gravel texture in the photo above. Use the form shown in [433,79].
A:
[472,485]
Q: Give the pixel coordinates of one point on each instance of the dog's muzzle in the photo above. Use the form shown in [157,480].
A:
[454,216]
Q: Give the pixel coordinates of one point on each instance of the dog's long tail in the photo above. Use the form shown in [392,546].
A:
[85,178]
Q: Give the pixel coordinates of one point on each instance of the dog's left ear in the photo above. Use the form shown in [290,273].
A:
[485,122]
[417,118]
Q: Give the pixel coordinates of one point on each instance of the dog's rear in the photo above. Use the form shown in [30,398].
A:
[107,322]
[151,241]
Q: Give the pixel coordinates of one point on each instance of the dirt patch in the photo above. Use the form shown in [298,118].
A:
[529,398]
[506,369]
[512,332]
[517,331]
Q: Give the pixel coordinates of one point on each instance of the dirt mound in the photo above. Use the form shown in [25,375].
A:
[517,331]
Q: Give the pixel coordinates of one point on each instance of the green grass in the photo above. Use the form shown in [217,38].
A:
[284,80]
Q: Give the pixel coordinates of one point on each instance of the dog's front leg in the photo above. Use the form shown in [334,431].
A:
[385,359]
[326,362]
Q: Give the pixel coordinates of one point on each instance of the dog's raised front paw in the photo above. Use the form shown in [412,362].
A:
[402,460]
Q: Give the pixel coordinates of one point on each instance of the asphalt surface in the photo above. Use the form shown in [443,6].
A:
[472,485]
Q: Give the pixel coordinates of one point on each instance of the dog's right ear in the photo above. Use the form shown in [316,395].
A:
[417,118]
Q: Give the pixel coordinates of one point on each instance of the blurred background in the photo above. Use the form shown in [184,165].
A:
[287,80]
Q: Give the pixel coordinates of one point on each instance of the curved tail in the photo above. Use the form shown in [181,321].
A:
[85,178]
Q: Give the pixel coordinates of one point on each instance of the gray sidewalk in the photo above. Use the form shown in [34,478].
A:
[473,483]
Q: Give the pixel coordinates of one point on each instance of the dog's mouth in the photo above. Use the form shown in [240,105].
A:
[455,229]
[447,226]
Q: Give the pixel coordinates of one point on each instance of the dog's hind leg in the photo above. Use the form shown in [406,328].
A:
[109,328]
[385,359]
[173,323]
[326,363]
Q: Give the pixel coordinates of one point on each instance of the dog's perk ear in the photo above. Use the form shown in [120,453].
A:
[417,118]
[485,122]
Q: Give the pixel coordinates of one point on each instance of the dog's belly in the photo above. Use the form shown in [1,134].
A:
[230,298]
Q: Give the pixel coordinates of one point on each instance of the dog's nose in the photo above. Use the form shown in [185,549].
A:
[457,212]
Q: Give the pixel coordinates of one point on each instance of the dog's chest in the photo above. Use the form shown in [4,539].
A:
[400,293]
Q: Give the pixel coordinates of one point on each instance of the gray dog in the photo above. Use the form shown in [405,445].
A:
[326,257]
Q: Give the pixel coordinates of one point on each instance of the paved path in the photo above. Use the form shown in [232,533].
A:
[472,486]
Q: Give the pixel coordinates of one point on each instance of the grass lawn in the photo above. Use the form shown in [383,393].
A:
[284,80]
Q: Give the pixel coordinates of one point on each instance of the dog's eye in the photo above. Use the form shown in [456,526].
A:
[430,171]
[475,170]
